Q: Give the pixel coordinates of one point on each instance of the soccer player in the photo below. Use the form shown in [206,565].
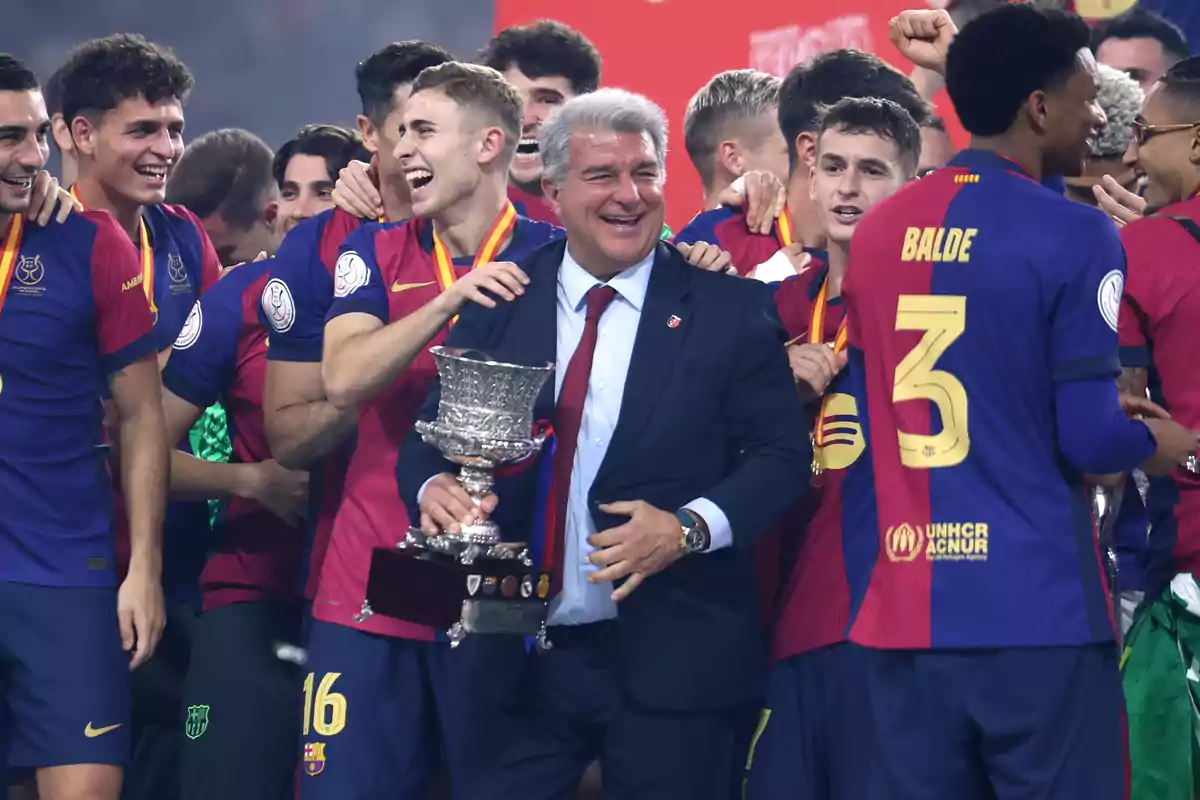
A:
[548,63]
[224,178]
[123,104]
[809,740]
[72,316]
[240,699]
[1157,340]
[303,429]
[398,286]
[809,87]
[306,168]
[988,307]
[731,127]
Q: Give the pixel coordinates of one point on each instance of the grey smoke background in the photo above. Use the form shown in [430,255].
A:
[270,66]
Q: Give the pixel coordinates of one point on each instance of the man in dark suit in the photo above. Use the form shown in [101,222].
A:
[680,438]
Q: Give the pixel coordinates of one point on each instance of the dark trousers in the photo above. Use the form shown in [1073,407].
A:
[153,771]
[241,744]
[572,710]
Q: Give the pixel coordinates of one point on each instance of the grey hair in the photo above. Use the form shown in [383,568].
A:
[1121,98]
[607,109]
[736,94]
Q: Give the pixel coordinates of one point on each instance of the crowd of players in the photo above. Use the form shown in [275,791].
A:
[911,654]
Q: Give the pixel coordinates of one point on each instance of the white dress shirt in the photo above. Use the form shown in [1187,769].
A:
[580,601]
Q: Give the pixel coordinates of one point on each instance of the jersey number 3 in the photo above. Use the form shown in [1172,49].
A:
[941,319]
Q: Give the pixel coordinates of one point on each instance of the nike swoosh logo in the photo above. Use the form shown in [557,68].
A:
[404,287]
[92,733]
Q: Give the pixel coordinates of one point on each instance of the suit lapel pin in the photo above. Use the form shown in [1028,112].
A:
[673,321]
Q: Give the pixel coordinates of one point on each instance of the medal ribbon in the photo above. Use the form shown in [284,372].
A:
[816,332]
[8,255]
[496,237]
[147,253]
[783,229]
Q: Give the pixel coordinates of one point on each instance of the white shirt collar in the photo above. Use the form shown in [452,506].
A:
[630,283]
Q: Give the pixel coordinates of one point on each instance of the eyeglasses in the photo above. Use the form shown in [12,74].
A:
[1143,131]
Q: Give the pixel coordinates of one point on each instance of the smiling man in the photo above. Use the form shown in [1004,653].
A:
[122,99]
[679,433]
[548,63]
[397,289]
[73,319]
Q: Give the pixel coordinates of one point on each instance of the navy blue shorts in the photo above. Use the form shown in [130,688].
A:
[1031,723]
[809,743]
[381,715]
[64,677]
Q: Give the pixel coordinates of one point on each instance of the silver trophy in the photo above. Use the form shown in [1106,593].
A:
[1106,503]
[470,580]
[485,419]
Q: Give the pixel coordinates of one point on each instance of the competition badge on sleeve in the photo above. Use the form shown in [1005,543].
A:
[449,581]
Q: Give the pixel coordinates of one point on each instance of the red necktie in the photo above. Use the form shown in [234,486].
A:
[568,417]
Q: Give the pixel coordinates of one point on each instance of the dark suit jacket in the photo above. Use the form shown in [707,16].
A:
[710,409]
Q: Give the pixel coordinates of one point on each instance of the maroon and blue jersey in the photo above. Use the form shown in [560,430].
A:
[295,302]
[389,271]
[184,266]
[1160,312]
[73,312]
[726,228]
[220,356]
[813,608]
[971,295]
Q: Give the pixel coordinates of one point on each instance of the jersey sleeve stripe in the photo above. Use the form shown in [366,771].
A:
[136,350]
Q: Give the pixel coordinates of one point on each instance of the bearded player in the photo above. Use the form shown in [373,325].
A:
[397,288]
[807,745]
[988,305]
[72,317]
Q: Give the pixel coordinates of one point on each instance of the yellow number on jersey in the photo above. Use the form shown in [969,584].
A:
[327,710]
[942,319]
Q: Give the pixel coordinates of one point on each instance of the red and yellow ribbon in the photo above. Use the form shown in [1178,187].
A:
[8,255]
[8,259]
[783,229]
[495,239]
[147,253]
[816,333]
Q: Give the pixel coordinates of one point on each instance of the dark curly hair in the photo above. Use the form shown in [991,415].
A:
[99,74]
[544,49]
[987,98]
[395,65]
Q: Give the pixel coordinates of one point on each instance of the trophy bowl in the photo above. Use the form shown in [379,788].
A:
[471,580]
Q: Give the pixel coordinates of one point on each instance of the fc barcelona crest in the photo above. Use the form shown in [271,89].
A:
[314,758]
[197,721]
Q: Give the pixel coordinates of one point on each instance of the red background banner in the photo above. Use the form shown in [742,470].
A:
[668,49]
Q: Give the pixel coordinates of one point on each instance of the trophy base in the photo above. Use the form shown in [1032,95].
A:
[458,587]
